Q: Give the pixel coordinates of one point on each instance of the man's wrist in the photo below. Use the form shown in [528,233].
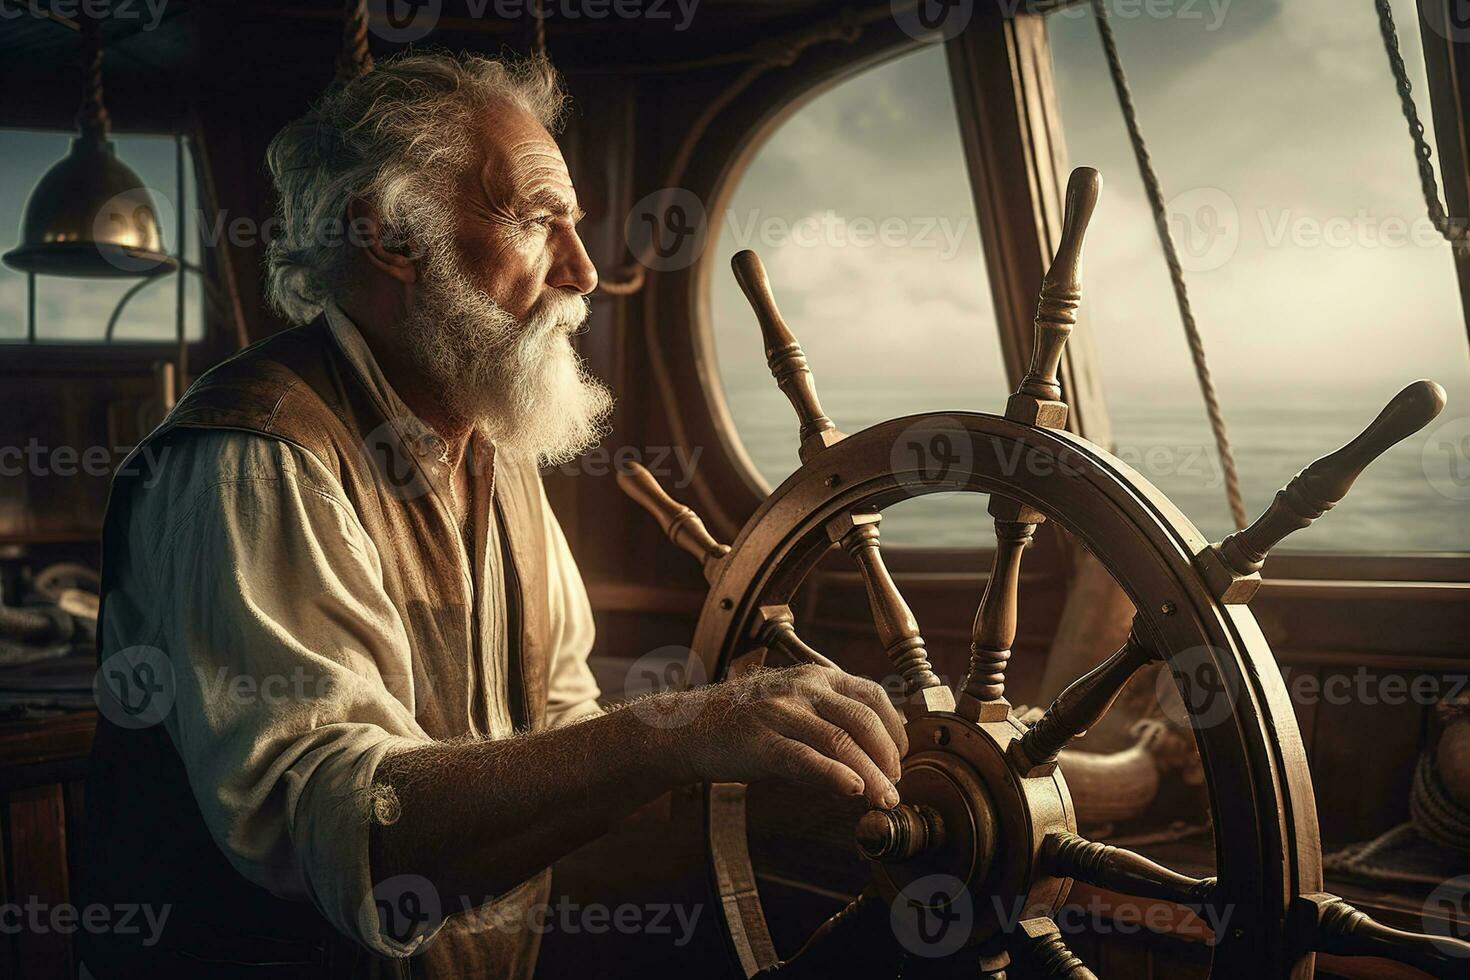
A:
[663,729]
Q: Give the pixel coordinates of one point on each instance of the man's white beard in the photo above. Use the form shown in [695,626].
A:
[519,382]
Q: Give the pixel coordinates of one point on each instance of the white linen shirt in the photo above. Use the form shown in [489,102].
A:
[246,564]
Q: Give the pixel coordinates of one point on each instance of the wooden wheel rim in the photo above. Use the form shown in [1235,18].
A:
[1261,802]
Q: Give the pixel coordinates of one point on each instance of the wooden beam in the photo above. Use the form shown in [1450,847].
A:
[1011,129]
[1447,64]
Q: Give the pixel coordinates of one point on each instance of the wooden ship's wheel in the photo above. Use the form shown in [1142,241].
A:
[986,812]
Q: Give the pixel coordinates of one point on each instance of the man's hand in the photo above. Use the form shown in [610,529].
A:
[479,817]
[807,724]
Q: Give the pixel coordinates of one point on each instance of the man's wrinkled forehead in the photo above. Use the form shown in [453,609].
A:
[522,167]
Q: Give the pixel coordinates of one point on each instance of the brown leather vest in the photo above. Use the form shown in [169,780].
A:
[146,842]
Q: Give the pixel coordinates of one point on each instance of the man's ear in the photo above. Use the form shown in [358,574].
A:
[366,234]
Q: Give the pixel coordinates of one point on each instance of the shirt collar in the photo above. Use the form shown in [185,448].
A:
[416,434]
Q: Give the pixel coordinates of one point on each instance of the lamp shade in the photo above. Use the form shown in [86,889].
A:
[91,217]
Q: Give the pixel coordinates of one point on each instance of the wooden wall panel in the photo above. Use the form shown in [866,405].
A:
[1362,756]
[38,873]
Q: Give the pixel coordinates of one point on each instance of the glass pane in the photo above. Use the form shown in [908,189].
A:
[78,309]
[1319,285]
[860,207]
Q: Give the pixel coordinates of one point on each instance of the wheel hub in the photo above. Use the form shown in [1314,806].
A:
[968,824]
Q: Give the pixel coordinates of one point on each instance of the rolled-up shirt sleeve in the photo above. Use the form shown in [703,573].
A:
[247,566]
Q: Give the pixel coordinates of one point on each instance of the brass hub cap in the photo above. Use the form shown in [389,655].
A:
[969,821]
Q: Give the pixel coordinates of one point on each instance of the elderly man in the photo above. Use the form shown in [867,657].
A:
[344,643]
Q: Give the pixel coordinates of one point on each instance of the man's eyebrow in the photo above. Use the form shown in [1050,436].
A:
[548,200]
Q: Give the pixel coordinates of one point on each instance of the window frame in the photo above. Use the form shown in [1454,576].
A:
[727,486]
[52,356]
[1000,68]
[731,488]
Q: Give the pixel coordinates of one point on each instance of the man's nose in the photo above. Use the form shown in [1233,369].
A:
[573,268]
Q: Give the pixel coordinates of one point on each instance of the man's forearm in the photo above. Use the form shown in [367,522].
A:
[477,818]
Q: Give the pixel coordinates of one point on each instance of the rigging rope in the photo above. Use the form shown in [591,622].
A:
[1422,153]
[92,117]
[1176,272]
[356,60]
[538,29]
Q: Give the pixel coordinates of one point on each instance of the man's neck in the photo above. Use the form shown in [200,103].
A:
[422,396]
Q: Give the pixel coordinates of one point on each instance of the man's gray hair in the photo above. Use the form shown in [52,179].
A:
[399,138]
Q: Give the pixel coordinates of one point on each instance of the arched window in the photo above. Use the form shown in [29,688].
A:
[861,209]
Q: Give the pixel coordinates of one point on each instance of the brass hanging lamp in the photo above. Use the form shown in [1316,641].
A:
[90,216]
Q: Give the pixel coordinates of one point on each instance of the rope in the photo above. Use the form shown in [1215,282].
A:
[1434,812]
[356,60]
[1422,153]
[629,283]
[92,117]
[776,52]
[1176,272]
[538,29]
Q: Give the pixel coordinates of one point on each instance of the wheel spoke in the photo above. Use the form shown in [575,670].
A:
[785,357]
[776,629]
[993,965]
[683,526]
[1343,930]
[1232,567]
[898,631]
[1121,870]
[1040,941]
[1037,401]
[1079,707]
[983,696]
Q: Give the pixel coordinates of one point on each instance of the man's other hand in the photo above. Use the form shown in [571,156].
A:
[807,724]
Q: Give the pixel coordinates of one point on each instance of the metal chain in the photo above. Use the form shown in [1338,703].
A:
[1176,271]
[1423,155]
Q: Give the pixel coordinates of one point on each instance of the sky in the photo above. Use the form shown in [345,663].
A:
[1286,114]
[1275,128]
